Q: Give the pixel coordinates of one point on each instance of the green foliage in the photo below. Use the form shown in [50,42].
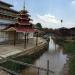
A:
[69,47]
[12,66]
[25,59]
[39,26]
[72,66]
[60,41]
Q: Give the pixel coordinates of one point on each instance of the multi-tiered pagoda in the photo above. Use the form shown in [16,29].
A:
[23,22]
[22,29]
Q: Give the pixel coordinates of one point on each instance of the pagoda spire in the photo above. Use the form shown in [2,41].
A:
[24,5]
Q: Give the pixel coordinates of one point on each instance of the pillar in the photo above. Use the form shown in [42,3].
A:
[14,38]
[24,40]
[36,38]
[27,38]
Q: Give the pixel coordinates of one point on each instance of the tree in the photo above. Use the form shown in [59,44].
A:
[39,26]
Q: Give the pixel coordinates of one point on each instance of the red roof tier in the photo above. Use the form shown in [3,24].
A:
[24,23]
[20,29]
[25,30]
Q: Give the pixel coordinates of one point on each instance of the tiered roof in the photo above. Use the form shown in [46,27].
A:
[24,18]
[7,4]
[6,12]
[23,23]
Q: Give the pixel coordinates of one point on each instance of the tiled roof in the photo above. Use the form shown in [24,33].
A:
[6,3]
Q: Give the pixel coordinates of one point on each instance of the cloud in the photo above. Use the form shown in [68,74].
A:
[47,20]
[69,24]
[73,1]
[51,21]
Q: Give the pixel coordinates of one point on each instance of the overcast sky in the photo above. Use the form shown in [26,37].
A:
[48,12]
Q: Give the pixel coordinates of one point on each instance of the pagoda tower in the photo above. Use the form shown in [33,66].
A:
[23,27]
[23,21]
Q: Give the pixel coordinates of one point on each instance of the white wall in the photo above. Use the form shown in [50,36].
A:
[4,21]
[3,36]
[30,35]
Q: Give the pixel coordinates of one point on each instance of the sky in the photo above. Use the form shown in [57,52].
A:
[48,12]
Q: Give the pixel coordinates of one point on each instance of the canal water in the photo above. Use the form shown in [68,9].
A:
[56,61]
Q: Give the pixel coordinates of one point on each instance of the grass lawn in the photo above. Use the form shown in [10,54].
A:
[69,48]
[72,66]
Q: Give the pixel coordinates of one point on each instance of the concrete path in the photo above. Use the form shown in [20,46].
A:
[8,50]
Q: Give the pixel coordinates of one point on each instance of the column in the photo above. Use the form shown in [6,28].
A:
[14,38]
[36,38]
[24,40]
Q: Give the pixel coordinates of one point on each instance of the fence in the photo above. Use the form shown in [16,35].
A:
[26,64]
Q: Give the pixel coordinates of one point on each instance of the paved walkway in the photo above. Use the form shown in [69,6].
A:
[9,50]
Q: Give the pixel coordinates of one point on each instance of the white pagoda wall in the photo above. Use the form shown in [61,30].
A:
[21,35]
[30,35]
[3,35]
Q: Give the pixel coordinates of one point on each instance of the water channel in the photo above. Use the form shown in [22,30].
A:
[56,61]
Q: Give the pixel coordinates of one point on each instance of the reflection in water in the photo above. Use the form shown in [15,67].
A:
[52,45]
[55,57]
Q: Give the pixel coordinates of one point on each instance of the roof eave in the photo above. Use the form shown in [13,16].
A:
[6,3]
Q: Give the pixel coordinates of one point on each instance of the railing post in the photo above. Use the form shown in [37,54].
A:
[38,71]
[47,67]
[55,46]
